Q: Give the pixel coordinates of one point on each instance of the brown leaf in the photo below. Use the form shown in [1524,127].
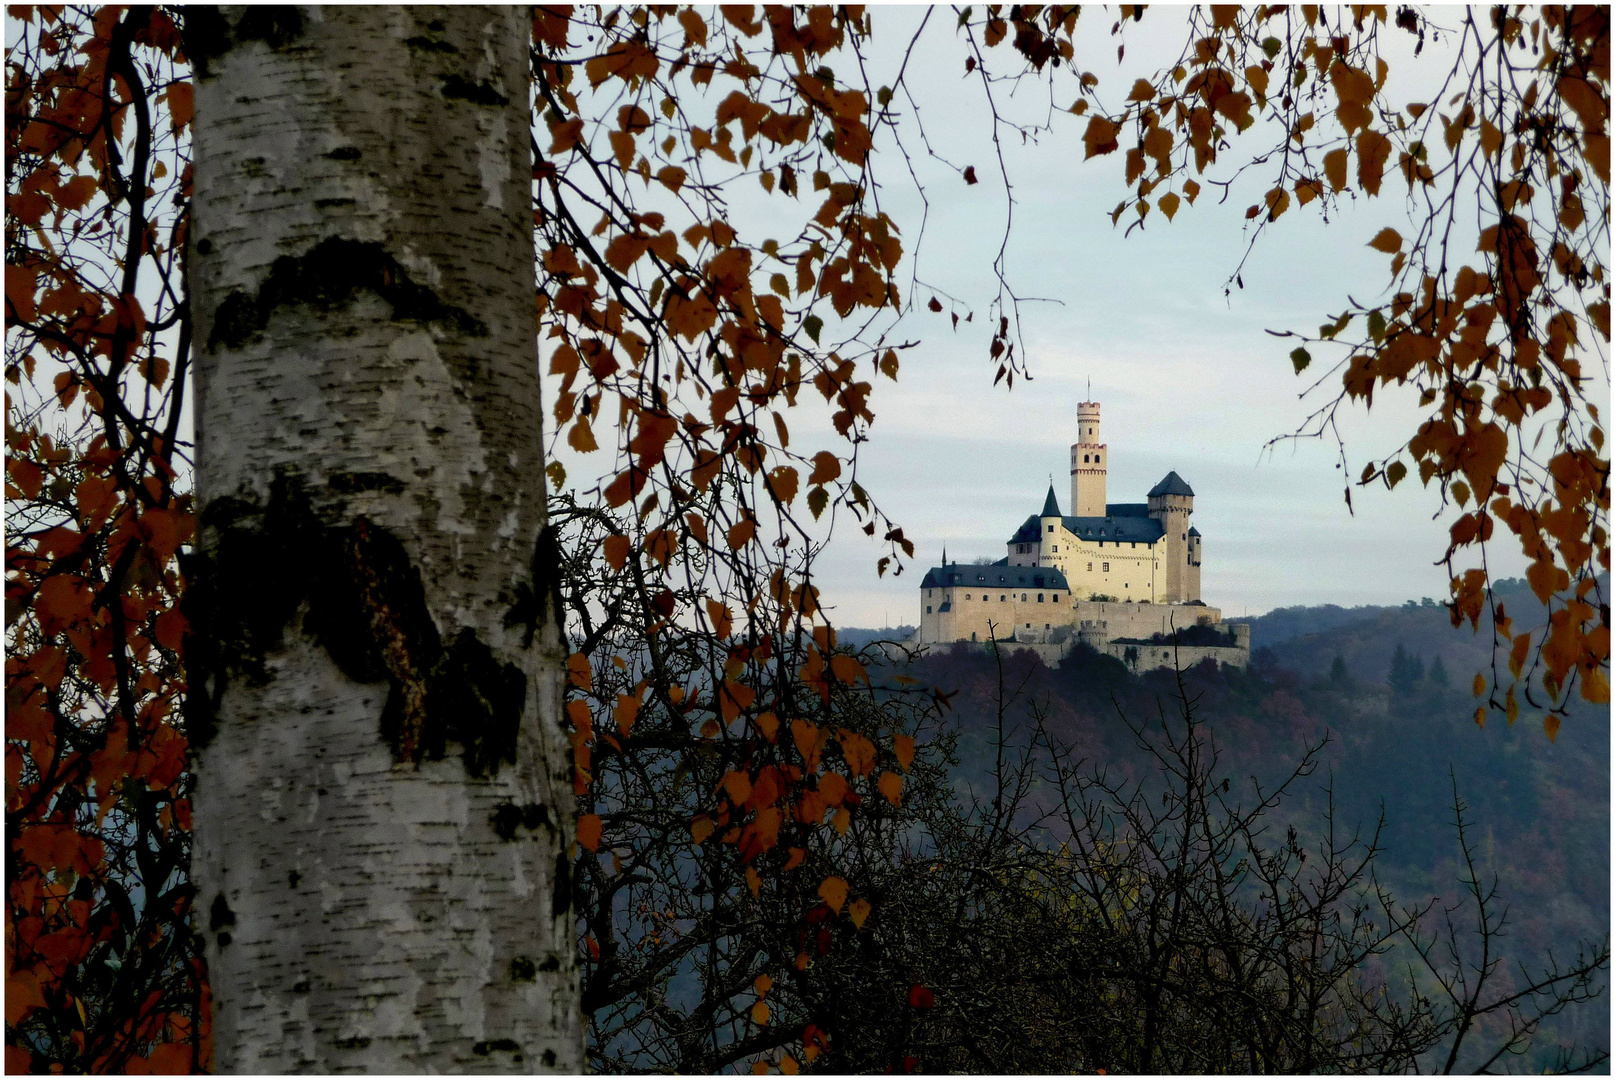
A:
[1373,151]
[1334,167]
[1387,240]
[1099,138]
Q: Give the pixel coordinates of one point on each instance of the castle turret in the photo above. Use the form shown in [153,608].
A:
[1088,464]
[1048,524]
[1171,503]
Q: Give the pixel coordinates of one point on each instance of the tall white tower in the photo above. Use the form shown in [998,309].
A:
[1088,464]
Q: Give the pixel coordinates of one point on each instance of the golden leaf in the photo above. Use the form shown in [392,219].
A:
[1387,240]
[858,912]
[833,891]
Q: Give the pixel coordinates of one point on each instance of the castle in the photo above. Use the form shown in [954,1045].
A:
[1123,578]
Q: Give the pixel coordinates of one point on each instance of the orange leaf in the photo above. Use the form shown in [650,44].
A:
[891,786]
[616,551]
[577,670]
[859,752]
[181,98]
[904,745]
[701,828]
[738,785]
[626,712]
[834,892]
[590,828]
[847,669]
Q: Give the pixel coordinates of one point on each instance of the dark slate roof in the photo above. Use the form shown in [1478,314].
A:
[1126,527]
[1051,506]
[1193,531]
[1172,484]
[1127,509]
[993,577]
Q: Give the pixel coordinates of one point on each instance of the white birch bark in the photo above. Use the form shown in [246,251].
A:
[362,286]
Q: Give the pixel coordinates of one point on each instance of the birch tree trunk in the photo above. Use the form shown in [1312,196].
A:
[383,803]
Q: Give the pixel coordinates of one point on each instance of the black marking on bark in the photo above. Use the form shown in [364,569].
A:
[458,88]
[549,1059]
[538,599]
[366,606]
[522,969]
[276,25]
[426,44]
[332,273]
[488,1046]
[507,817]
[292,878]
[204,246]
[478,702]
[504,819]
[349,483]
[220,915]
[205,33]
[352,1042]
[550,963]
[344,153]
[302,986]
[561,896]
[326,204]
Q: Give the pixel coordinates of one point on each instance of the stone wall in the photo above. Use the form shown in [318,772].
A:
[1150,657]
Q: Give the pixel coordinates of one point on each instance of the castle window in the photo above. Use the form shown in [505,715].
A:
[1090,567]
[1000,598]
[1023,600]
[1051,528]
[1040,598]
[1107,568]
[1054,547]
[1186,536]
[928,609]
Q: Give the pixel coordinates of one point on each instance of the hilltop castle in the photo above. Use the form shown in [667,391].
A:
[1123,578]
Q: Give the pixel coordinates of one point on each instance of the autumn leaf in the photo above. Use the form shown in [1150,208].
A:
[1099,137]
[1334,168]
[1387,240]
[891,786]
[590,828]
[1373,151]
[833,891]
[858,911]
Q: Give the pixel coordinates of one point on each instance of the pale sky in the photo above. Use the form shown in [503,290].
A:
[1189,380]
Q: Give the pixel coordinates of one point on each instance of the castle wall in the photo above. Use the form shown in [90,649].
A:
[979,612]
[1142,620]
[1184,657]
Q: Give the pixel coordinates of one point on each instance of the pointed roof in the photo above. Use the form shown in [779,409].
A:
[1172,484]
[1051,506]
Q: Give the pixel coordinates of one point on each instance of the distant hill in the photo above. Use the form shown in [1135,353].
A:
[857,637]
[1541,809]
[1306,640]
